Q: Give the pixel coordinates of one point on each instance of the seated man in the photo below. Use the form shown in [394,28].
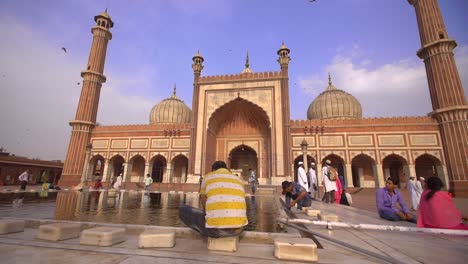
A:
[299,195]
[222,198]
[387,198]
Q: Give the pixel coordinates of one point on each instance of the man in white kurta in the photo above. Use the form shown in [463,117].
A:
[302,176]
[330,186]
[313,180]
[414,193]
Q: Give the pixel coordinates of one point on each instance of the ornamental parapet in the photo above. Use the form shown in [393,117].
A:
[241,77]
[396,121]
[142,127]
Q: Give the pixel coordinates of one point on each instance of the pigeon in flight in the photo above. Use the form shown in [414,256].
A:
[64,49]
[78,83]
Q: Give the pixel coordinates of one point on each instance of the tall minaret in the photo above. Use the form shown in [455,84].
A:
[448,100]
[284,60]
[197,67]
[85,118]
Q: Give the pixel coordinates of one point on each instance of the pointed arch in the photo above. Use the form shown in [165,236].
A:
[179,168]
[364,171]
[159,168]
[241,159]
[396,166]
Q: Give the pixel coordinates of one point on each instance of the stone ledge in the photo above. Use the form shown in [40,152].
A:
[156,239]
[298,249]
[229,244]
[58,231]
[103,236]
[11,226]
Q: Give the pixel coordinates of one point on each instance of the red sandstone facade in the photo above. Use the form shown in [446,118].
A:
[244,119]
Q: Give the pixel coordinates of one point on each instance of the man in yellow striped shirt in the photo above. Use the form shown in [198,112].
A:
[222,198]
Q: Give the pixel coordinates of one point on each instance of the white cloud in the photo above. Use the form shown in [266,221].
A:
[39,94]
[395,89]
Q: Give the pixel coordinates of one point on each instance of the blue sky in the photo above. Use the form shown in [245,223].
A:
[368,46]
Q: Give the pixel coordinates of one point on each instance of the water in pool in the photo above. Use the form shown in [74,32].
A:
[125,207]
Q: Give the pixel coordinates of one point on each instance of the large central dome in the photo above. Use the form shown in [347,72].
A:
[170,110]
[334,103]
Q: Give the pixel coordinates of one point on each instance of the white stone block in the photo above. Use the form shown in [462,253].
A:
[58,231]
[328,217]
[230,244]
[312,212]
[156,239]
[11,226]
[103,236]
[299,249]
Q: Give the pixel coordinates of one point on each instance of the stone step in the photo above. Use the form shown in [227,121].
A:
[153,238]
[328,217]
[312,212]
[58,231]
[229,244]
[298,249]
[103,236]
[11,226]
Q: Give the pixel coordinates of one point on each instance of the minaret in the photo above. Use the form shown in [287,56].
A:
[284,60]
[85,118]
[247,65]
[447,96]
[197,67]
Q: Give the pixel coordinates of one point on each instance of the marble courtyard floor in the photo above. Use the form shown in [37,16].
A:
[255,247]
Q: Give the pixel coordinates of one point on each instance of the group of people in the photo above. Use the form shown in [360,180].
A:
[332,184]
[436,207]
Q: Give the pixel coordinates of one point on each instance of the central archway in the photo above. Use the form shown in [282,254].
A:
[241,159]
[239,124]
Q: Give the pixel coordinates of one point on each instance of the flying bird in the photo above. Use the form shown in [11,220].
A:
[64,49]
[78,83]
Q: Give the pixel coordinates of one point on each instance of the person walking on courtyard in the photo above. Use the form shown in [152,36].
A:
[339,190]
[223,212]
[329,177]
[23,178]
[387,198]
[414,192]
[437,210]
[295,192]
[148,182]
[118,182]
[313,180]
[252,180]
[98,182]
[302,176]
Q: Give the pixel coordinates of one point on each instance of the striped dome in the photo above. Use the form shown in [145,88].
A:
[170,110]
[334,103]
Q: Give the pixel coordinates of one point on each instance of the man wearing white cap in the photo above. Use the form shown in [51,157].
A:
[313,180]
[329,182]
[302,176]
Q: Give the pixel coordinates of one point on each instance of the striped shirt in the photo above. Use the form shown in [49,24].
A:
[225,204]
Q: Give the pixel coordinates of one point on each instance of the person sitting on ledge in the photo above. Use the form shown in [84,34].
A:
[222,198]
[387,199]
[299,195]
[436,208]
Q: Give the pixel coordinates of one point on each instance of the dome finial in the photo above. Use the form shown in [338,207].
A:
[247,64]
[329,79]
[174,92]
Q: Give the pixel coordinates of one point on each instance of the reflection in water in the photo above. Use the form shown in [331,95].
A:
[134,208]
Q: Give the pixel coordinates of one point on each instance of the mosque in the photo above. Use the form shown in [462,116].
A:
[244,119]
